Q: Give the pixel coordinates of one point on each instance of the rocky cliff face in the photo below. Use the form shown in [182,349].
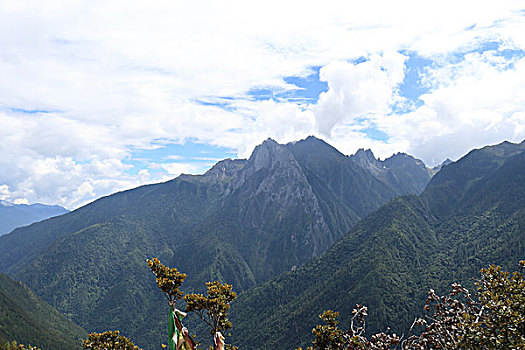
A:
[403,172]
[367,160]
[223,170]
[277,208]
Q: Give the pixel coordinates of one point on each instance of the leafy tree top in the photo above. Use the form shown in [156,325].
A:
[109,340]
[213,307]
[168,279]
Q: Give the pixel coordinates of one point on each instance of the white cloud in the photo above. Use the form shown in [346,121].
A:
[174,157]
[358,90]
[118,76]
[4,192]
[478,106]
[144,176]
[176,169]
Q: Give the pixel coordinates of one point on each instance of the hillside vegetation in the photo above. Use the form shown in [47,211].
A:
[27,319]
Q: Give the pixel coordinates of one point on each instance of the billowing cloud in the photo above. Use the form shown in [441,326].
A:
[4,192]
[358,90]
[86,84]
[479,102]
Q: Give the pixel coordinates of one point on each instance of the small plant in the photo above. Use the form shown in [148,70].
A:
[15,346]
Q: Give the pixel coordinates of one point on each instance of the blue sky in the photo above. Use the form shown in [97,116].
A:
[101,97]
[305,91]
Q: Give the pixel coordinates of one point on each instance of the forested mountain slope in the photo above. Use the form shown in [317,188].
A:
[27,319]
[472,214]
[243,222]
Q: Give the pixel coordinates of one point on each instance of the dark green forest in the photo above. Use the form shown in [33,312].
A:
[27,319]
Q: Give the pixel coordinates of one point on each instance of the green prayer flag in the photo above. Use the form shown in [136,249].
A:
[176,339]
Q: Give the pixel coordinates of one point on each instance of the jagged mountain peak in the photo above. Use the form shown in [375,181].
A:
[400,154]
[367,152]
[364,156]
[269,142]
[314,148]
[403,158]
[440,166]
[224,169]
[366,159]
[267,154]
[314,140]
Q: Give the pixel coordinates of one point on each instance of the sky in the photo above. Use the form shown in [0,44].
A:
[102,96]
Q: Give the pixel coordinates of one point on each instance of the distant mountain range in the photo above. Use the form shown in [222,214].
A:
[27,319]
[243,222]
[471,214]
[18,215]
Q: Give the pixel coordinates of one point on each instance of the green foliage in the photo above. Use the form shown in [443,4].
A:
[26,318]
[168,279]
[499,320]
[109,340]
[494,319]
[328,336]
[15,346]
[213,308]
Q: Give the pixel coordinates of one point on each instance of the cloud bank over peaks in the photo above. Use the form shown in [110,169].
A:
[478,101]
[95,96]
[357,90]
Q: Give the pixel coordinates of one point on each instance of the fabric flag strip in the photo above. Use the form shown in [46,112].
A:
[176,338]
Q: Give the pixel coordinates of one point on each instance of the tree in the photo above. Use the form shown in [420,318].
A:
[213,308]
[498,320]
[109,340]
[492,319]
[168,279]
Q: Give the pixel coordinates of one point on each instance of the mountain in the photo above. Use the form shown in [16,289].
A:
[243,222]
[437,168]
[27,319]
[17,215]
[401,170]
[471,214]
